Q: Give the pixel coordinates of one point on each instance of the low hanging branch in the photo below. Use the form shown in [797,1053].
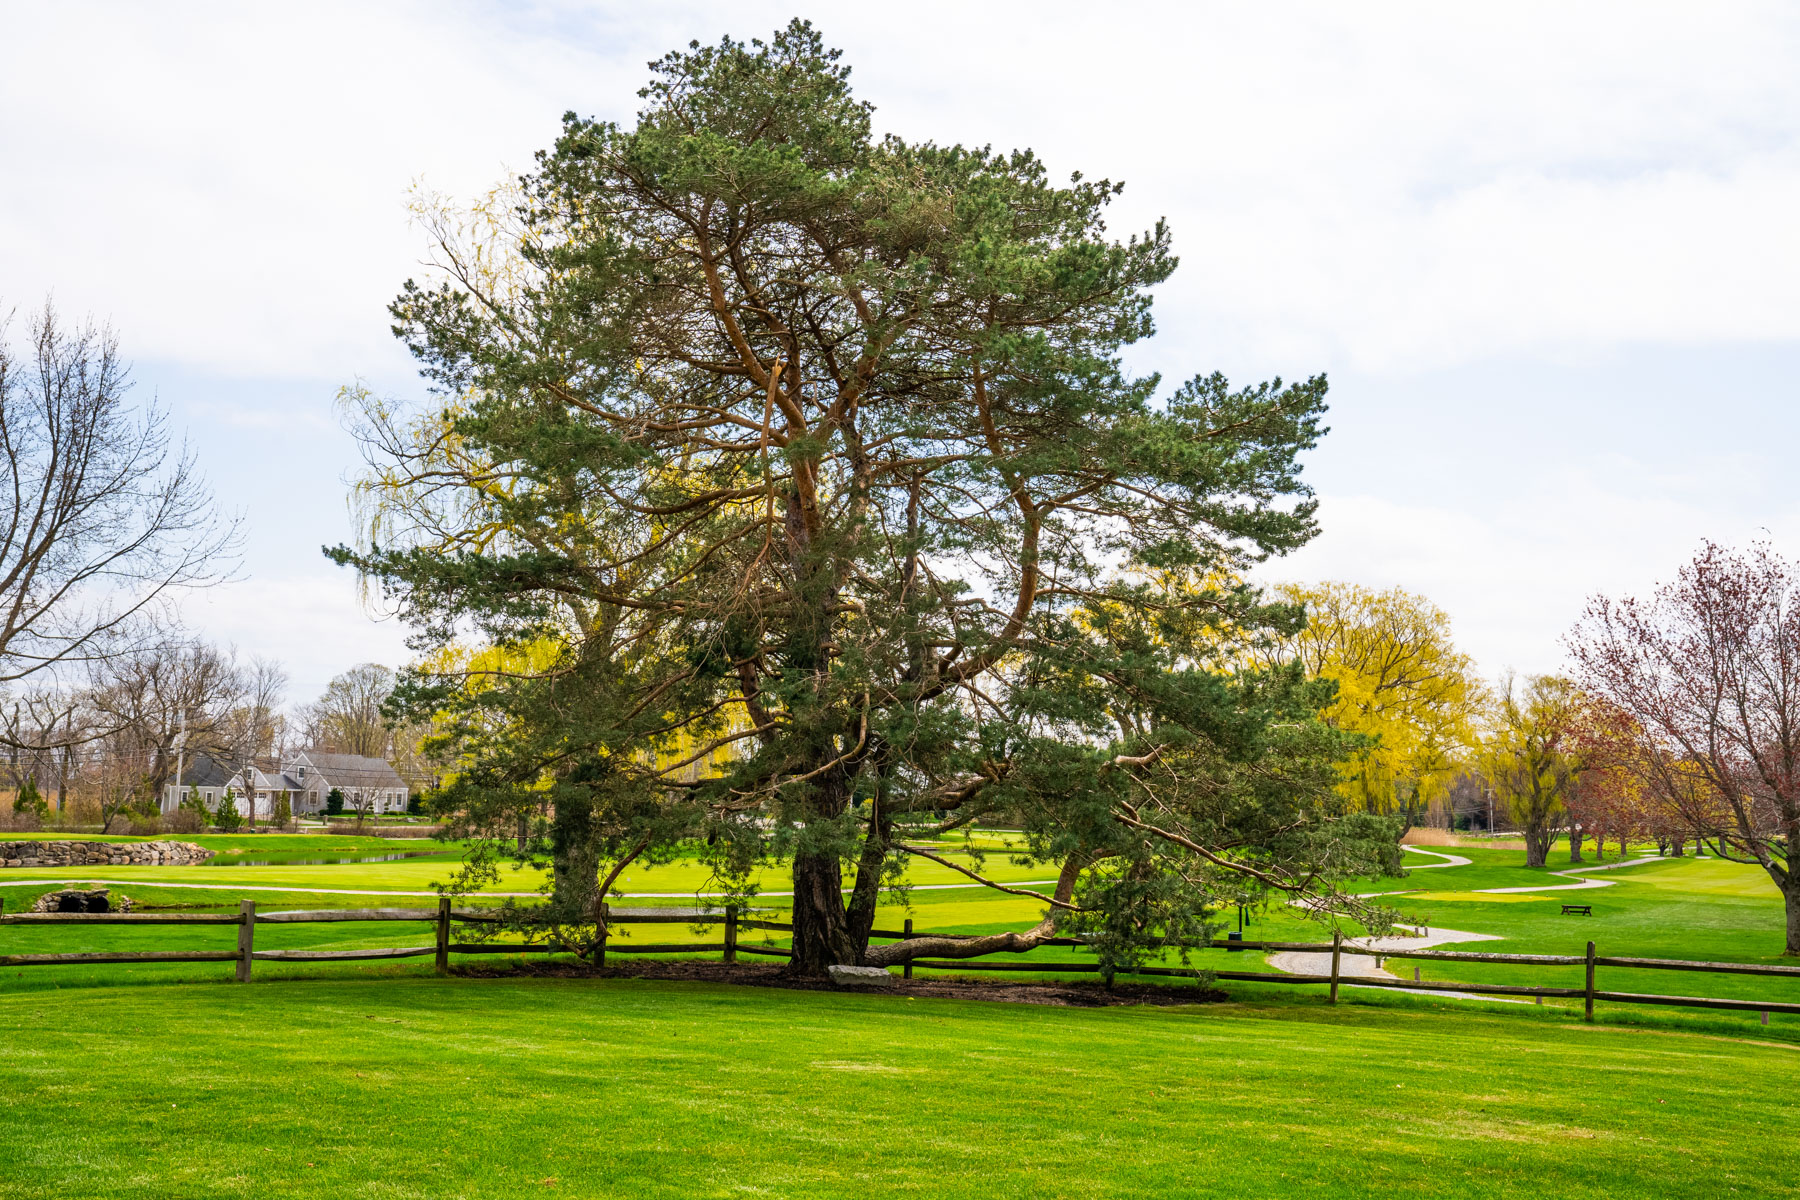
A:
[983,880]
[1242,868]
[996,943]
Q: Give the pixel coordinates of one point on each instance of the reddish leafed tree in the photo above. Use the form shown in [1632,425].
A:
[1610,798]
[1709,669]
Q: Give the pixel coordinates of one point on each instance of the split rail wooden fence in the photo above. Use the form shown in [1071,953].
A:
[444,918]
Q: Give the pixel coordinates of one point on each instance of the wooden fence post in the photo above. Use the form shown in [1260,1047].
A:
[443,935]
[1590,983]
[1337,943]
[600,947]
[246,938]
[906,971]
[731,933]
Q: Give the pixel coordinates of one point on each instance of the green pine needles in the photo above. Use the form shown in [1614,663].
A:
[228,819]
[787,496]
[194,805]
[28,801]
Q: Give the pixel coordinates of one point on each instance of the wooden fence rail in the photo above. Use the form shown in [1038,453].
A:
[444,916]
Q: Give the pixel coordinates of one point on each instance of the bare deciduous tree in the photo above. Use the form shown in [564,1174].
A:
[253,730]
[153,703]
[102,519]
[347,719]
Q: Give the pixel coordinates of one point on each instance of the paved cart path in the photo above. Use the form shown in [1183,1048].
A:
[1573,873]
[1450,860]
[1350,966]
[1362,966]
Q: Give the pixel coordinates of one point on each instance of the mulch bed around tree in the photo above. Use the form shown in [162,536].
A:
[1080,994]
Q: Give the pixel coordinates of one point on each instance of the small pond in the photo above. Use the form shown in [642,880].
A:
[283,860]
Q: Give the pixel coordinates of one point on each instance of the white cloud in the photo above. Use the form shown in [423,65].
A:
[1515,575]
[228,182]
[313,624]
[1374,184]
[1380,190]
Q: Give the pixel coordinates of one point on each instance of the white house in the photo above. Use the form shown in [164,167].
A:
[307,776]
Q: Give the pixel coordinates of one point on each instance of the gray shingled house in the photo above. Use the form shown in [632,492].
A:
[307,776]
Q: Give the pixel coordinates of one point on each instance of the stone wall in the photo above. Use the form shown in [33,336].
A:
[99,900]
[102,854]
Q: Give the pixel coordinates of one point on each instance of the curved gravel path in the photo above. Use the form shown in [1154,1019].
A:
[1450,860]
[1573,873]
[1355,966]
[1362,966]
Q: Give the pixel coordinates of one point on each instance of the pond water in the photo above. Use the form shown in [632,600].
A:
[280,860]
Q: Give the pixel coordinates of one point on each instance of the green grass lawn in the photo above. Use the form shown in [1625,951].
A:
[383,1080]
[1705,909]
[415,1087]
[684,877]
[1682,908]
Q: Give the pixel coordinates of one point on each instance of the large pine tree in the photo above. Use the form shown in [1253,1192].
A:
[794,480]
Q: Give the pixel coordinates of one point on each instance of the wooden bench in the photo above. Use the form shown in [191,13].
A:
[1586,910]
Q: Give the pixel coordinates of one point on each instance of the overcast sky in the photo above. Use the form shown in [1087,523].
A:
[1547,254]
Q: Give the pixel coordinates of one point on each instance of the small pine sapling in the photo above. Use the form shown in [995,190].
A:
[228,818]
[30,802]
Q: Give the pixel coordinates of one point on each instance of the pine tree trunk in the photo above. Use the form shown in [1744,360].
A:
[575,859]
[866,889]
[822,935]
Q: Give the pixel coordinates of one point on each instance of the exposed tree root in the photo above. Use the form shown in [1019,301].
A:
[1079,994]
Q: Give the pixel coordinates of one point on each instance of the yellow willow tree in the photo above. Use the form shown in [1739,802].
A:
[1533,755]
[1401,685]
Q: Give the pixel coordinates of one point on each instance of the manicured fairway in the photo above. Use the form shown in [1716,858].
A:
[493,1088]
[391,1082]
[1685,908]
[684,877]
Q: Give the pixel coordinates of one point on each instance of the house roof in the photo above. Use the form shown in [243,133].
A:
[204,771]
[350,770]
[281,781]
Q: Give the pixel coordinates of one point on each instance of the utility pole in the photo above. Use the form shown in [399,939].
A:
[180,757]
[250,785]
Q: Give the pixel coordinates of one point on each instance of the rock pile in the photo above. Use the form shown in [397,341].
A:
[102,854]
